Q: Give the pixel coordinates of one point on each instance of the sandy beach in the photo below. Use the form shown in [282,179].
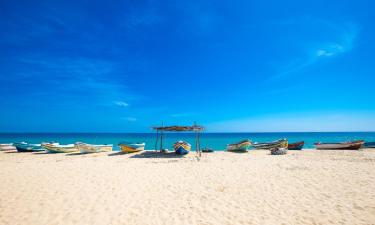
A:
[303,187]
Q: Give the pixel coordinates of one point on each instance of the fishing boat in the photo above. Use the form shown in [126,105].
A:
[129,147]
[282,143]
[241,146]
[207,150]
[369,145]
[88,148]
[350,145]
[27,147]
[296,145]
[57,148]
[7,147]
[181,147]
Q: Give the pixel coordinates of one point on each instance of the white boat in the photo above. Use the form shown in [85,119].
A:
[350,145]
[57,148]
[7,147]
[88,148]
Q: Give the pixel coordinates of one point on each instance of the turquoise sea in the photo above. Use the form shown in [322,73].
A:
[217,141]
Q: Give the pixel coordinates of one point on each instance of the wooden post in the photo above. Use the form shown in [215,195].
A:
[196,142]
[161,137]
[157,139]
[199,143]
[161,140]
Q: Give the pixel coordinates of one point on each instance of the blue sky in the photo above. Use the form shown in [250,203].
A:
[124,66]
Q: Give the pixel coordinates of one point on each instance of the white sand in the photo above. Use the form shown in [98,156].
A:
[303,187]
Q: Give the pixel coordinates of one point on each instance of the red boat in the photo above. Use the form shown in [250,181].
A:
[296,145]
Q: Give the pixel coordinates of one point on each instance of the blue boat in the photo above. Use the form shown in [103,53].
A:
[369,145]
[26,147]
[181,147]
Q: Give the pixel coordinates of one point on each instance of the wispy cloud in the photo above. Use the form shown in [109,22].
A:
[71,80]
[121,103]
[341,39]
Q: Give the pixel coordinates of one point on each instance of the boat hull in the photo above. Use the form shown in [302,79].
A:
[369,145]
[355,145]
[296,146]
[208,150]
[132,147]
[182,148]
[60,148]
[87,148]
[7,147]
[269,145]
[25,147]
[242,146]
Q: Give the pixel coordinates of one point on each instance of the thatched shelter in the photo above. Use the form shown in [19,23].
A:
[195,128]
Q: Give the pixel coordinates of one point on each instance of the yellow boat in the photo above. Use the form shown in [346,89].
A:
[127,147]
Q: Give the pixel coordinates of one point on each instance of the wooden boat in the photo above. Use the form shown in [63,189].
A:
[241,146]
[369,145]
[128,147]
[57,148]
[88,148]
[181,147]
[296,145]
[207,150]
[282,143]
[7,147]
[26,147]
[350,145]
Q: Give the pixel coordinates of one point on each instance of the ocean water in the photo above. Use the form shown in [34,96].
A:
[217,141]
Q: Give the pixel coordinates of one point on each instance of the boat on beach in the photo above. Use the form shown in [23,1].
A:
[296,145]
[350,145]
[208,150]
[57,148]
[88,148]
[241,146]
[128,147]
[7,147]
[369,145]
[27,147]
[181,147]
[282,143]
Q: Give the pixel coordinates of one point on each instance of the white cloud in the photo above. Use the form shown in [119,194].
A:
[121,103]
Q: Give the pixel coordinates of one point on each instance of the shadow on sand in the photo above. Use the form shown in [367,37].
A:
[118,153]
[79,153]
[148,154]
[155,154]
[14,151]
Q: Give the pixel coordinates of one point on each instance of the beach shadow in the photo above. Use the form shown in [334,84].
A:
[12,152]
[154,154]
[237,152]
[41,153]
[79,153]
[118,153]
